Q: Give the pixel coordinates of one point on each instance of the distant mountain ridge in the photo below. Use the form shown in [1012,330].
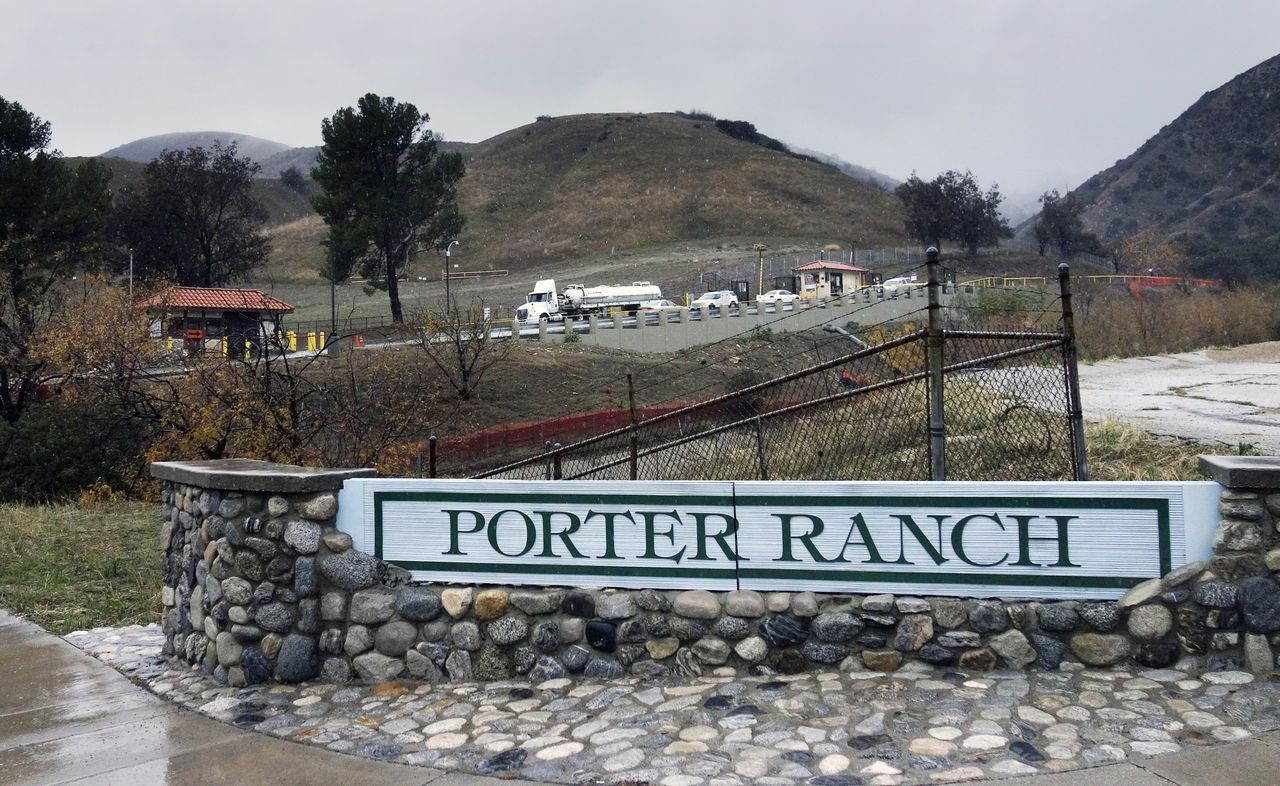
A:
[1214,170]
[146,149]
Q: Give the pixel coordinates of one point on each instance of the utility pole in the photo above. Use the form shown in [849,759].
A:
[760,249]
[130,278]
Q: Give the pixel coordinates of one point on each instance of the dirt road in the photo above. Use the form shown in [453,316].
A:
[1231,396]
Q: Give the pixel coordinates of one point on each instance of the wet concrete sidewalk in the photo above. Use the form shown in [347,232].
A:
[66,717]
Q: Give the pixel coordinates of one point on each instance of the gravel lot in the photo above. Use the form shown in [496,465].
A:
[1230,396]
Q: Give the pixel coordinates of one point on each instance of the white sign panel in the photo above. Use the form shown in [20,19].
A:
[1085,540]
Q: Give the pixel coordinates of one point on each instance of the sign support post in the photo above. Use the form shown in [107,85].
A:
[933,359]
[1072,371]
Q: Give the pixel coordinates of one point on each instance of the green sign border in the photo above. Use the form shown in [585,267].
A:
[1159,506]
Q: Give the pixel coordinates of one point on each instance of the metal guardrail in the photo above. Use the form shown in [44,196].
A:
[1115,278]
[346,325]
[461,274]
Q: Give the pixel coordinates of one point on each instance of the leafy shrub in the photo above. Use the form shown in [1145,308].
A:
[294,180]
[739,129]
[58,450]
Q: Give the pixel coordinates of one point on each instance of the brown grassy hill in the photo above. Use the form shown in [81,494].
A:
[1214,170]
[566,187]
[587,183]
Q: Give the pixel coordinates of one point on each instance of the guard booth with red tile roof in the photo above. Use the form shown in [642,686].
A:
[822,280]
[199,318]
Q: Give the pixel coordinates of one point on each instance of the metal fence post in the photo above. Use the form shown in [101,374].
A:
[1071,371]
[431,456]
[546,450]
[635,431]
[760,451]
[557,471]
[933,358]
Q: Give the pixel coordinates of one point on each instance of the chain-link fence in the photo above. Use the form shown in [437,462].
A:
[862,416]
[927,403]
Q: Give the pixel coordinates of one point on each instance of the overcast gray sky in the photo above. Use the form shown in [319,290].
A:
[1029,94]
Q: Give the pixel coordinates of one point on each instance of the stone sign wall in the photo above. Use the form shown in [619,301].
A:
[260,586]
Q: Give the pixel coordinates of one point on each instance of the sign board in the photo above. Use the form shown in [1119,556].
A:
[194,334]
[1025,540]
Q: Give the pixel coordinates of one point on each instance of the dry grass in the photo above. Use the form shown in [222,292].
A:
[1117,451]
[1112,323]
[69,568]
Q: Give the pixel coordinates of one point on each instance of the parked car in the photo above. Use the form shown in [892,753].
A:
[778,296]
[901,282]
[709,300]
[660,306]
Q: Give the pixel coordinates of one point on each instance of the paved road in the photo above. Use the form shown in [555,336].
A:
[1230,396]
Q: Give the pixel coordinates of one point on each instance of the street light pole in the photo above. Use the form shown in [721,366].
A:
[448,300]
[131,278]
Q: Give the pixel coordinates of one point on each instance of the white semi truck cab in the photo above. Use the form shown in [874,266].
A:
[545,303]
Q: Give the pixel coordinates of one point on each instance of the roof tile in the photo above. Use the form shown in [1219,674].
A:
[213,299]
[831,266]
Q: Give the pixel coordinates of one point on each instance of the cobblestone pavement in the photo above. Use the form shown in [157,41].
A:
[916,725]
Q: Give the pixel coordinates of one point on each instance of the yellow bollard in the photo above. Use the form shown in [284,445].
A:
[322,339]
[224,347]
[311,341]
[168,344]
[292,337]
[247,345]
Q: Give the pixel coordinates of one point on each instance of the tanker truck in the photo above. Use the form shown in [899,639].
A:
[546,304]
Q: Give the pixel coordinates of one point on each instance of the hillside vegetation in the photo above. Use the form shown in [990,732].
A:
[1215,170]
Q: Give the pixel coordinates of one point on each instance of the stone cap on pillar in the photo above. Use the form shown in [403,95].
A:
[1243,472]
[253,475]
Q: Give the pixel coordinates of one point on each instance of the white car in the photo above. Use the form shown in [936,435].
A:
[660,306]
[901,282]
[778,296]
[709,300]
